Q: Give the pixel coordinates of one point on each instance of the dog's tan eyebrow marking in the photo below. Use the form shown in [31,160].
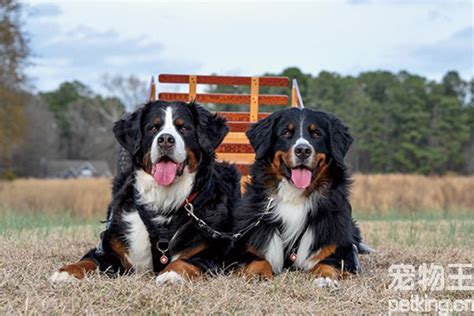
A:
[313,127]
[157,121]
[291,126]
[179,122]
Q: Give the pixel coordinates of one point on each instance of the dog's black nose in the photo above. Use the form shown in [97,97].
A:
[303,151]
[166,141]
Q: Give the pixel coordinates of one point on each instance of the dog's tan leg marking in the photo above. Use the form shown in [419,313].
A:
[80,269]
[322,253]
[75,271]
[179,270]
[260,269]
[324,270]
[185,269]
[326,275]
[188,253]
[119,248]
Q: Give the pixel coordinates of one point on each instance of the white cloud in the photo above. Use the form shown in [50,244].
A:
[451,52]
[42,10]
[249,38]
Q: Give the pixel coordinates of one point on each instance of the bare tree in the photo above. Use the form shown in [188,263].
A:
[40,142]
[130,90]
[111,109]
[90,135]
[14,52]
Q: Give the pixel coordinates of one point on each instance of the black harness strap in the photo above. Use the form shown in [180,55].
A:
[160,236]
[292,254]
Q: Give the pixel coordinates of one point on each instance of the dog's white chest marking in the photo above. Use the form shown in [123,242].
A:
[304,248]
[155,197]
[163,198]
[291,208]
[139,249]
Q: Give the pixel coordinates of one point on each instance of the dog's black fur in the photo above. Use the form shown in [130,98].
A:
[217,186]
[329,217]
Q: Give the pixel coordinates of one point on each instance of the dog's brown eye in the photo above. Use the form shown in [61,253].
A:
[153,129]
[287,133]
[315,134]
[183,129]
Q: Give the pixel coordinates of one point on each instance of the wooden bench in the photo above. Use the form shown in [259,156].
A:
[235,147]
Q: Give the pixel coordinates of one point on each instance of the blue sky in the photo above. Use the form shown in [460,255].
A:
[85,39]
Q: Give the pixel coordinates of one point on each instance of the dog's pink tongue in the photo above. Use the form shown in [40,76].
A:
[165,172]
[301,177]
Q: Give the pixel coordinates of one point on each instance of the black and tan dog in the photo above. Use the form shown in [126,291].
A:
[299,191]
[173,152]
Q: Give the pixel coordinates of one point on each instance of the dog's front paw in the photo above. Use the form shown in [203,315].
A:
[259,269]
[169,277]
[62,276]
[325,282]
[258,275]
[75,271]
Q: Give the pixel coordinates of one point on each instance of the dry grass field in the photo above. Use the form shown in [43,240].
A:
[28,258]
[371,194]
[47,223]
[85,198]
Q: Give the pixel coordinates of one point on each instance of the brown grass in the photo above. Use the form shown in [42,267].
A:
[371,194]
[28,258]
[412,193]
[81,197]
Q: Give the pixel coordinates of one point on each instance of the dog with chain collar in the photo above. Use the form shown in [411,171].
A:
[172,145]
[308,226]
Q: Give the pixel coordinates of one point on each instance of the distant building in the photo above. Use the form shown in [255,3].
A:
[77,169]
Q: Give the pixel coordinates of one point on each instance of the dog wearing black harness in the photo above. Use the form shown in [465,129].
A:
[175,179]
[298,197]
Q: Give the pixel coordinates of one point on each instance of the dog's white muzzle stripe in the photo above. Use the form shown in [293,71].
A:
[178,153]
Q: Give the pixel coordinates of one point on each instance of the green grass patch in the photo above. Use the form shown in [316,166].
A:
[16,223]
[416,216]
[430,229]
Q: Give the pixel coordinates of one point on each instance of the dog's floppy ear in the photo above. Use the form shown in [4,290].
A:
[128,131]
[340,140]
[260,135]
[211,128]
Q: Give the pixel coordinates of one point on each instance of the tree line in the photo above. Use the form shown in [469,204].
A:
[69,123]
[401,122]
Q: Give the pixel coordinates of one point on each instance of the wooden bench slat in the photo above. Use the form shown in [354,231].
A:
[243,99]
[225,80]
[235,148]
[241,116]
[238,126]
[237,158]
[236,138]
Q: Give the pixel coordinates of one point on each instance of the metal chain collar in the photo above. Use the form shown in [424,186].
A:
[215,233]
